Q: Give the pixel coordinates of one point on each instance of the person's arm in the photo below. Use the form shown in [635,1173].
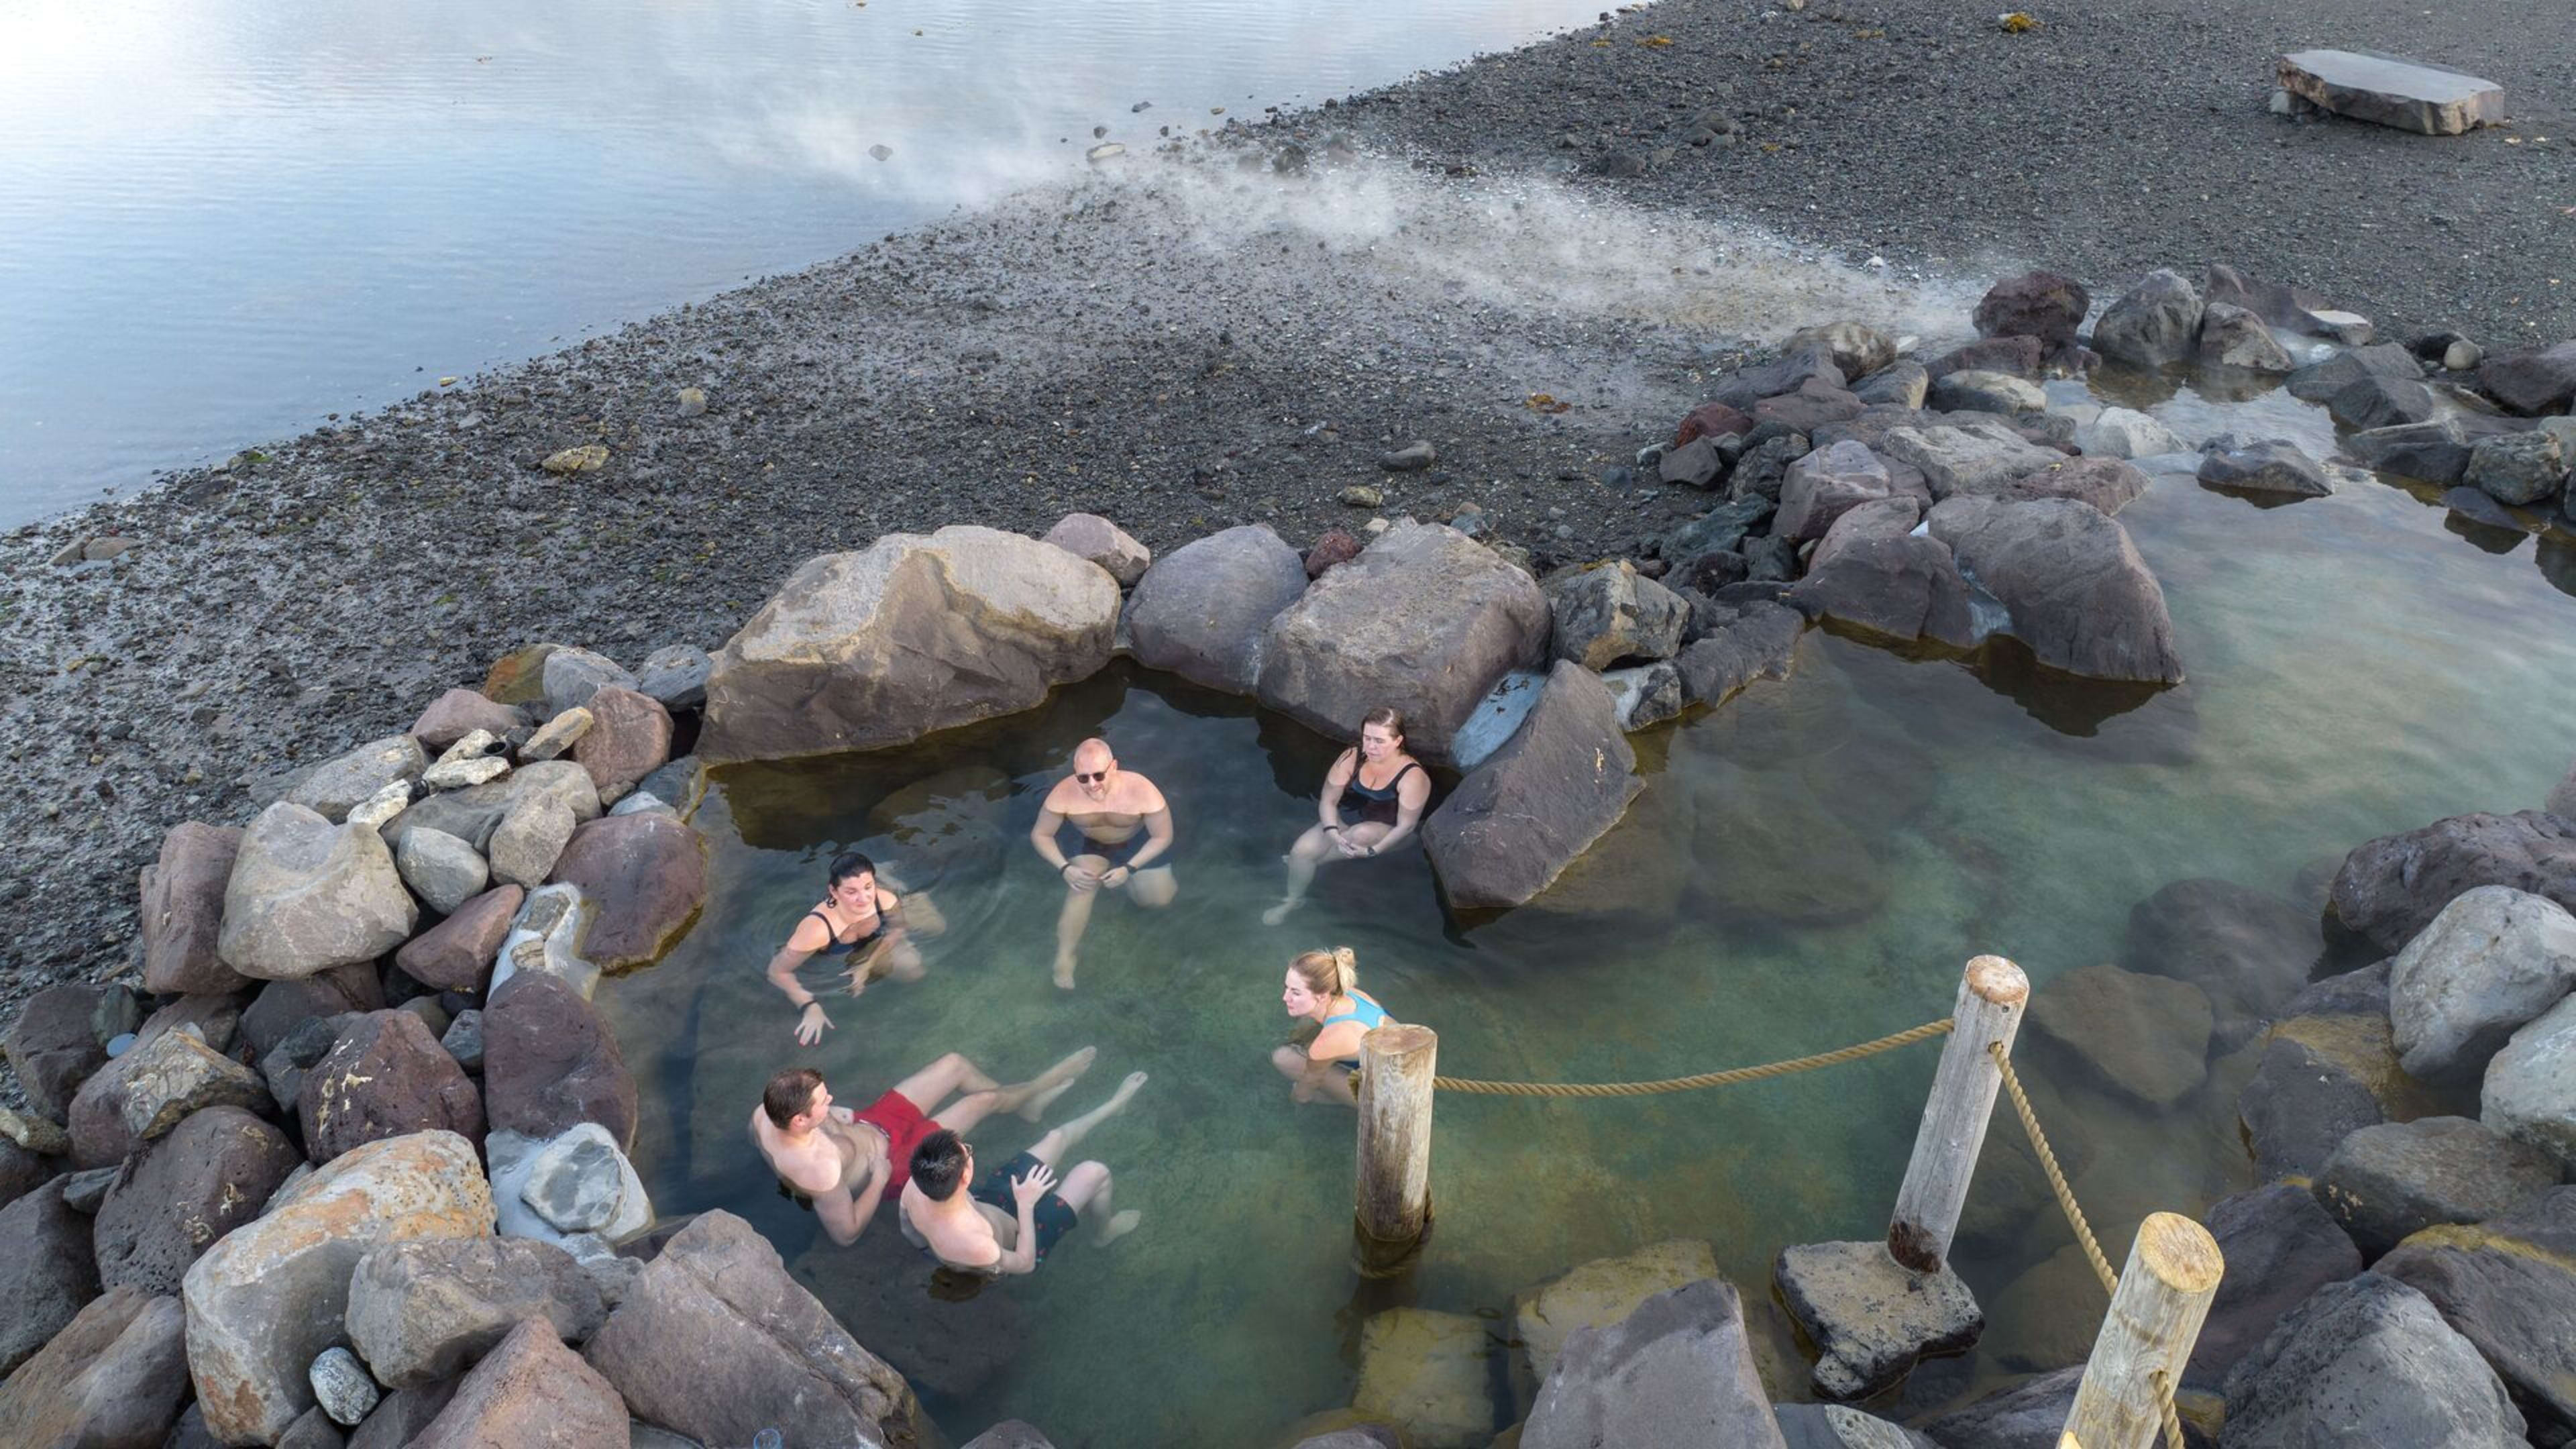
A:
[803,942]
[1410,796]
[1336,1043]
[1026,1191]
[1328,807]
[1042,835]
[1158,839]
[845,1215]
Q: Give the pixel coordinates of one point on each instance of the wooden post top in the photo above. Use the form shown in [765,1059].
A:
[2180,1253]
[1997,980]
[1397,1038]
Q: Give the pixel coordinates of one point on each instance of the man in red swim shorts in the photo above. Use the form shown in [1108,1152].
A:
[846,1162]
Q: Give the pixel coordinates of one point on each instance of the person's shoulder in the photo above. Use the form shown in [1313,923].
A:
[810,927]
[1147,793]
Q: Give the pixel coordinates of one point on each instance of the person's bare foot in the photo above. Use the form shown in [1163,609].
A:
[1126,1091]
[1055,1082]
[1064,973]
[1278,913]
[1119,1225]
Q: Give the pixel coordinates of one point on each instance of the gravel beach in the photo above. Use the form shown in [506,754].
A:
[1236,331]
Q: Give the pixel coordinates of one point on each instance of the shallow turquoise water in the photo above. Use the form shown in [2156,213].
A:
[2356,668]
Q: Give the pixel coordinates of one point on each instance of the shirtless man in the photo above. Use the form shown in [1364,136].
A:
[845,1161]
[966,1227]
[1121,826]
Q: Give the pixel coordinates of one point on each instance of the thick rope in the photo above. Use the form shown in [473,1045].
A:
[1729,1077]
[2075,1219]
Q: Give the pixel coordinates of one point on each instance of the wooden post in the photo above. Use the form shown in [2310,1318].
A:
[1992,993]
[1396,1067]
[2155,1317]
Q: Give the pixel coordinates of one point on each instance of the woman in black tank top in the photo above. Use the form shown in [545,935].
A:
[856,935]
[1372,799]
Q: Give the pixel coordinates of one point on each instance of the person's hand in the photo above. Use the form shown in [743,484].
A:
[1349,846]
[811,1023]
[1081,879]
[1123,874]
[1039,1182]
[859,977]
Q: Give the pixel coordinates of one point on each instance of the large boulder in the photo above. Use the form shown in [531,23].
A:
[549,1062]
[913,634]
[530,1391]
[1760,641]
[2280,1246]
[1678,1370]
[2027,1415]
[46,1271]
[1425,620]
[715,1341]
[2126,433]
[265,1300]
[2397,1178]
[173,1199]
[2509,1286]
[2247,950]
[1826,484]
[1597,1294]
[1202,610]
[2044,305]
[152,1088]
[571,676]
[2319,381]
[2493,959]
[2272,466]
[1557,785]
[2077,591]
[1607,613]
[2109,484]
[2437,452]
[2517,468]
[339,785]
[2147,1036]
[60,1038]
[386,1076]
[1874,573]
[114,1378]
[2153,323]
[2391,888]
[629,738]
[530,839]
[420,1312]
[460,712]
[456,954]
[1871,1318]
[2233,337]
[2530,1089]
[182,910]
[2367,1362]
[2533,380]
[306,895]
[1981,457]
[1092,537]
[646,874]
[2328,1068]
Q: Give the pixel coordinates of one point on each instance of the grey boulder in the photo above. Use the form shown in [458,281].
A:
[2077,591]
[2391,888]
[2517,468]
[1202,609]
[2153,323]
[2397,1178]
[442,870]
[1556,786]
[1871,1318]
[1874,573]
[306,895]
[422,1312]
[2273,466]
[339,785]
[2509,1286]
[2280,1246]
[2530,1089]
[2368,1362]
[2231,336]
[1608,613]
[2493,959]
[1678,1370]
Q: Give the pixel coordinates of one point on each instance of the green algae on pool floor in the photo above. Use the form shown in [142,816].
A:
[1810,866]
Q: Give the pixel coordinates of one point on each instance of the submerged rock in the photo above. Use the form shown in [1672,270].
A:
[1871,1318]
[2147,1036]
[1596,1295]
[913,634]
[1677,1370]
[2391,888]
[2077,591]
[1429,1374]
[1556,786]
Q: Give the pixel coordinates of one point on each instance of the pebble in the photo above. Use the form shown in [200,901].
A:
[343,1387]
[1411,458]
[1361,495]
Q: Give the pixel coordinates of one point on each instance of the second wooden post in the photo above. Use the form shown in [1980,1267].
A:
[1992,993]
[1397,1063]
[2147,1337]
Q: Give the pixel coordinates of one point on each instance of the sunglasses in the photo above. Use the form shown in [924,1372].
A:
[1080,778]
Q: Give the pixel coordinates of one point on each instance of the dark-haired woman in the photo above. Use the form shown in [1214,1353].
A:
[854,936]
[1373,797]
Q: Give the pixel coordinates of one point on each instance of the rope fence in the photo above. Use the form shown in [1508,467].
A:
[2157,1303]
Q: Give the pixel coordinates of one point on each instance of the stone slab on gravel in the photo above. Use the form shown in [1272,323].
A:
[2363,1362]
[913,634]
[1870,1318]
[1676,1370]
[265,1300]
[1556,786]
[2385,90]
[1425,620]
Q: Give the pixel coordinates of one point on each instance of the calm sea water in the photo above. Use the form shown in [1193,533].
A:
[221,221]
[1810,866]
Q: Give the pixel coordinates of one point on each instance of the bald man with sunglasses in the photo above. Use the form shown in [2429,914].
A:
[1122,827]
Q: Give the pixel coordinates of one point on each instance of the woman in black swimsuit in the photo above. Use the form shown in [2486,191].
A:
[1373,796]
[855,935]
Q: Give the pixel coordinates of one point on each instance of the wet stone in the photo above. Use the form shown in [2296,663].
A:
[1870,1318]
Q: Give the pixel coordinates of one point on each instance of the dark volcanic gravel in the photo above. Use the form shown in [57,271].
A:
[1231,332]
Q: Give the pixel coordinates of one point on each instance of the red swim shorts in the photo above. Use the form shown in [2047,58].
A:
[895,1115]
